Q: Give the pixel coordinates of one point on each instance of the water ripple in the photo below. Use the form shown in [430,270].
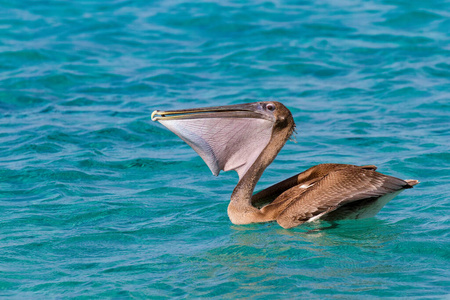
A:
[98,201]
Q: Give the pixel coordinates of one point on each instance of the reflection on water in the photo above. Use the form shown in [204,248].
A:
[257,255]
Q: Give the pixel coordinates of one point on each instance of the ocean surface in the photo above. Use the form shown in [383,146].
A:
[98,201]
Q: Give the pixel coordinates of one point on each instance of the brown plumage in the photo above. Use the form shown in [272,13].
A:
[249,144]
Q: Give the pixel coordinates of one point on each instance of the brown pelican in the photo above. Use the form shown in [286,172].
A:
[247,138]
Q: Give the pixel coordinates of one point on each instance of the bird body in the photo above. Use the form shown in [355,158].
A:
[248,137]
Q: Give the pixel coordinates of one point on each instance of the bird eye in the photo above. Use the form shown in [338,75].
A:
[270,106]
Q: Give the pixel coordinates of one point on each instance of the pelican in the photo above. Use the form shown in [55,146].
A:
[247,138]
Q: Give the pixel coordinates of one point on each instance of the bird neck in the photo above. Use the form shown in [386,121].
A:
[240,209]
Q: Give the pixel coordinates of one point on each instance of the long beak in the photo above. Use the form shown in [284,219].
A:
[248,110]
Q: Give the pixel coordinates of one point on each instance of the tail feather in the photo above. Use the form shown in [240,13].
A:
[412,182]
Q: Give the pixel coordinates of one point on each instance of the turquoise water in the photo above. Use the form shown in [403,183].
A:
[98,201]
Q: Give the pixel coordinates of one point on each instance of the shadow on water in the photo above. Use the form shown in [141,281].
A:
[265,256]
[370,233]
[332,226]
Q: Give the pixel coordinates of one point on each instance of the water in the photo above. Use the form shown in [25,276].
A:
[98,201]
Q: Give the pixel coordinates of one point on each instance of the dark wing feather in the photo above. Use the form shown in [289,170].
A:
[277,191]
[336,189]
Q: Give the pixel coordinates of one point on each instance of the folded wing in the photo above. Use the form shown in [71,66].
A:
[335,190]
